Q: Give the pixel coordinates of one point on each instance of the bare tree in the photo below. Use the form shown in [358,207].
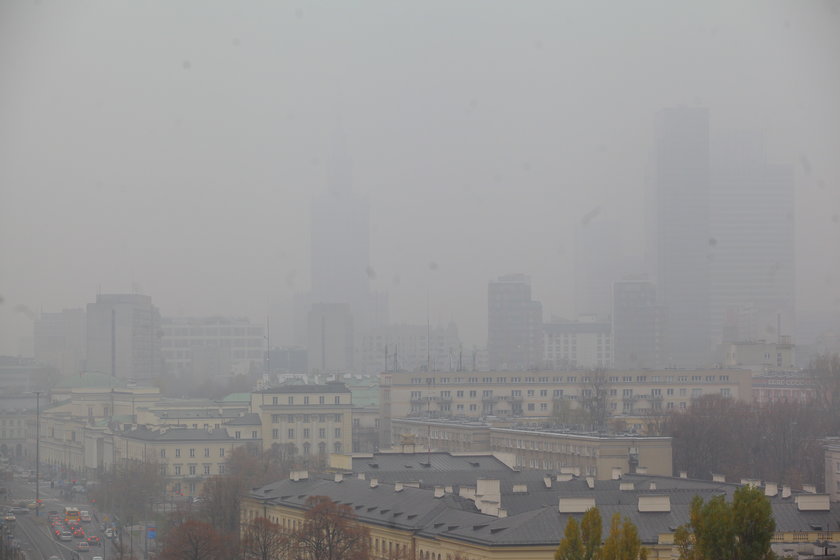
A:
[263,539]
[330,532]
[195,540]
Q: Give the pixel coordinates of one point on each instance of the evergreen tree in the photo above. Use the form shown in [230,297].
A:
[590,530]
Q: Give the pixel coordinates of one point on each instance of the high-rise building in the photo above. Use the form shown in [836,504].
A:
[682,234]
[209,347]
[577,344]
[597,264]
[123,336]
[514,324]
[59,340]
[635,325]
[330,338]
[752,245]
[411,348]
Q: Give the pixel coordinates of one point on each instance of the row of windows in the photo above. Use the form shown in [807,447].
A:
[572,379]
[306,432]
[191,470]
[544,393]
[305,418]
[306,400]
[191,452]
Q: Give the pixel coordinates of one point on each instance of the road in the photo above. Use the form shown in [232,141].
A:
[33,532]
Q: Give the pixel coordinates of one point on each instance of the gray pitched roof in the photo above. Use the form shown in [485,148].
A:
[250,419]
[177,434]
[328,388]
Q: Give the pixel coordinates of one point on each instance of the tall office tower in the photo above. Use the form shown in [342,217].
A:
[514,324]
[597,264]
[411,348]
[752,245]
[635,325]
[123,336]
[330,338]
[212,347]
[59,340]
[682,234]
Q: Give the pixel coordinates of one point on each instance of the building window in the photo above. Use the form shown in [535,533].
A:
[291,433]
[192,452]
[322,432]
[221,452]
[238,434]
[337,399]
[178,452]
[306,400]
[306,432]
[192,469]
[206,451]
[337,447]
[321,400]
[275,418]
[254,434]
[274,400]
[291,400]
[221,468]
[163,453]
[337,418]
[177,470]
[207,469]
[275,433]
[163,469]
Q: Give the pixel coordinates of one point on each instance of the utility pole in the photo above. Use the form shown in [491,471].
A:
[37,453]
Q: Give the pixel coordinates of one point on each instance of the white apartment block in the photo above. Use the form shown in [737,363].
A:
[577,345]
[211,346]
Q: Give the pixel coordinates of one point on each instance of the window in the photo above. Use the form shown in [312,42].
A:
[337,399]
[530,392]
[530,406]
[306,432]
[221,452]
[206,451]
[163,453]
[291,400]
[163,469]
[725,392]
[206,469]
[473,394]
[177,470]
[558,392]
[322,432]
[192,452]
[337,418]
[291,433]
[627,392]
[459,394]
[178,452]
[274,400]
[275,433]
[321,399]
[543,392]
[338,432]
[221,468]
[192,469]
[306,400]
[275,418]
[237,435]
[254,434]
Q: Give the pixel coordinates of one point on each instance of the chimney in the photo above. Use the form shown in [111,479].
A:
[299,475]
[652,485]
[785,491]
[616,473]
[439,492]
[360,476]
[339,477]
[683,474]
[590,482]
[374,482]
[547,481]
[771,489]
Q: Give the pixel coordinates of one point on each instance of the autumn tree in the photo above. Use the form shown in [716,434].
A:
[131,490]
[330,532]
[571,546]
[590,531]
[195,540]
[263,539]
[622,542]
[719,530]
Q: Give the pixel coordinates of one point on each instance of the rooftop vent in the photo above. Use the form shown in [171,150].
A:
[520,488]
[652,485]
[785,491]
[374,482]
[626,486]
[812,502]
[590,482]
[439,492]
[616,473]
[547,481]
[654,504]
[576,505]
[771,489]
[360,476]
[299,475]
[641,470]
[718,477]
[398,487]
[809,488]
[339,477]
[683,474]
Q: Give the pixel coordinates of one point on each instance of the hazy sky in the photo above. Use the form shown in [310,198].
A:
[174,147]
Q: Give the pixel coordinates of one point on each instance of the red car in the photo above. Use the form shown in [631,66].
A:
[79,533]
[93,540]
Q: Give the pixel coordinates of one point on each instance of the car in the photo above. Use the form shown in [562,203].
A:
[17,510]
[66,536]
[84,516]
[79,533]
[82,546]
[93,540]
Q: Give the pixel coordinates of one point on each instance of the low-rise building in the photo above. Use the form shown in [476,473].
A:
[491,518]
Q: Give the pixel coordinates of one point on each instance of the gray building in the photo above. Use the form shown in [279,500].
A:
[752,245]
[123,336]
[330,338]
[514,324]
[682,234]
[59,340]
[635,325]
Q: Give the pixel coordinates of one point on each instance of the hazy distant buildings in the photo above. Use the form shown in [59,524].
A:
[330,338]
[598,263]
[210,347]
[123,336]
[59,340]
[514,324]
[572,345]
[411,348]
[683,235]
[635,325]
[752,246]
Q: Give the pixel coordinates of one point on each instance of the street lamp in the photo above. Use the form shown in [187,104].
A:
[37,453]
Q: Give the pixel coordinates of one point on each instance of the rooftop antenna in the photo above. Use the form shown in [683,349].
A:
[268,345]
[428,337]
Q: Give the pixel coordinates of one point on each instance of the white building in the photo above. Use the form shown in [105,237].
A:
[411,348]
[577,345]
